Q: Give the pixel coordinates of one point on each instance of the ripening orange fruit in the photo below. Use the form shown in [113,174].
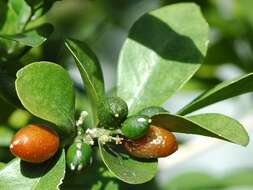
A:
[158,142]
[35,143]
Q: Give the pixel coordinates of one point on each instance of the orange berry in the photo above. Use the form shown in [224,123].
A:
[35,143]
[158,142]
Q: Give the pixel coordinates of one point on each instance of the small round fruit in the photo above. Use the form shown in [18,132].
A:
[135,126]
[158,142]
[35,143]
[112,111]
[79,156]
[152,110]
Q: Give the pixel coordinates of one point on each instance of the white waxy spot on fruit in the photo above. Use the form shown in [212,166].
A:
[141,119]
[157,140]
[16,142]
[80,167]
[79,154]
[72,166]
[79,145]
[116,115]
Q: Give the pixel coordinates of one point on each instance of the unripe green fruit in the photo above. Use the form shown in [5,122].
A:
[112,111]
[79,156]
[135,126]
[152,110]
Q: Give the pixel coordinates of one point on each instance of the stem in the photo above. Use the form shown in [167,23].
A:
[28,20]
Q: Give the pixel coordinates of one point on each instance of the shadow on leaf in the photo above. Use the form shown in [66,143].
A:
[38,170]
[162,39]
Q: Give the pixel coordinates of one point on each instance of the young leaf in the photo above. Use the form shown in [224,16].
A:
[164,49]
[210,124]
[126,168]
[33,37]
[89,69]
[46,90]
[20,175]
[222,91]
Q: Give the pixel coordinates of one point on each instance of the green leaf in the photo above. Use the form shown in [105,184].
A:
[46,90]
[20,175]
[164,49]
[192,181]
[3,11]
[239,178]
[222,91]
[6,135]
[210,124]
[41,5]
[89,69]
[33,37]
[200,180]
[18,13]
[2,165]
[126,168]
[16,16]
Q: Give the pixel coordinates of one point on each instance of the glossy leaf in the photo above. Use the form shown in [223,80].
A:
[18,13]
[89,69]
[222,91]
[16,16]
[126,168]
[46,90]
[20,175]
[210,124]
[163,50]
[33,38]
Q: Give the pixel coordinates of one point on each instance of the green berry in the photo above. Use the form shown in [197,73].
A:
[135,126]
[112,112]
[152,110]
[79,156]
